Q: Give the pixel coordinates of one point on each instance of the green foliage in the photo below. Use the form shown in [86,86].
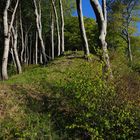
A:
[72,34]
[11,69]
[32,127]
[136,67]
[72,102]
[94,109]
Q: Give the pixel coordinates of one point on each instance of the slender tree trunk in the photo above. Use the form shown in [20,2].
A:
[11,51]
[22,38]
[27,50]
[39,29]
[25,47]
[18,65]
[7,31]
[52,34]
[62,27]
[101,16]
[103,41]
[57,24]
[30,50]
[36,49]
[41,61]
[82,28]
[102,37]
[6,42]
[129,48]
[5,59]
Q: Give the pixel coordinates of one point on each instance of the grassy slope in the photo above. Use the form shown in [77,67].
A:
[24,97]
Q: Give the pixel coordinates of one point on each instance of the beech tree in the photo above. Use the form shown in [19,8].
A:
[57,26]
[62,26]
[25,36]
[128,18]
[82,28]
[123,14]
[15,51]
[101,17]
[52,33]
[7,34]
[22,37]
[39,29]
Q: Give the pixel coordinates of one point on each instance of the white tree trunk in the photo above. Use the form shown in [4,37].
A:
[52,35]
[12,53]
[6,42]
[62,27]
[30,49]
[82,28]
[5,59]
[41,60]
[57,24]
[101,16]
[22,38]
[7,31]
[39,29]
[25,48]
[18,65]
[36,49]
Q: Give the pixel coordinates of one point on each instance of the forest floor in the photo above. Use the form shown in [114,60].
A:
[27,100]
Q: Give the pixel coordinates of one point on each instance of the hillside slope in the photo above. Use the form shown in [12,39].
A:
[64,99]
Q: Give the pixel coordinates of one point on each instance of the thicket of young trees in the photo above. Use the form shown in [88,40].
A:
[36,31]
[29,32]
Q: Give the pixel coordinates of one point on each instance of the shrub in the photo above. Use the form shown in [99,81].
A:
[91,108]
[136,67]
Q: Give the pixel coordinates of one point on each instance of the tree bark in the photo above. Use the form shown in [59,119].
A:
[82,28]
[36,49]
[39,29]
[30,49]
[62,27]
[6,42]
[11,51]
[15,52]
[57,24]
[41,61]
[52,35]
[22,38]
[25,48]
[101,16]
[7,31]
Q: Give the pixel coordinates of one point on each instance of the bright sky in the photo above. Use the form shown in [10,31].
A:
[88,12]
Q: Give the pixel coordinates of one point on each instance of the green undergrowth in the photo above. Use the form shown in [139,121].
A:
[68,99]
